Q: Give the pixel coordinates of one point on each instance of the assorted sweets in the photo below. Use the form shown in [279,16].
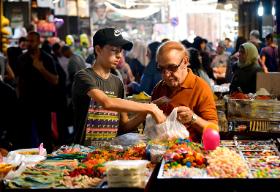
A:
[61,172]
[184,153]
[181,158]
[4,169]
[262,158]
[221,164]
[252,159]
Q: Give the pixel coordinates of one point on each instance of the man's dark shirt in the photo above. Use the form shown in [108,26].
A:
[34,90]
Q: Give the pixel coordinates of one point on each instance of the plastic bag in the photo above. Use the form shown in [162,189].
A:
[168,130]
[129,139]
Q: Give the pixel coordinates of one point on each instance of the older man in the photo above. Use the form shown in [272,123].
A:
[188,92]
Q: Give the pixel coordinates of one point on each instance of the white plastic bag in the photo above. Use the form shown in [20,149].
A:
[168,130]
[129,139]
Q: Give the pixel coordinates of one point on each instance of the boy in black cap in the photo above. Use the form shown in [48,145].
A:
[99,107]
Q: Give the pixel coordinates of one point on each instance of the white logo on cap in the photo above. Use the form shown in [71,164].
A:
[117,32]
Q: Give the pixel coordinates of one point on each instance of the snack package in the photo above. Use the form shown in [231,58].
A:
[168,130]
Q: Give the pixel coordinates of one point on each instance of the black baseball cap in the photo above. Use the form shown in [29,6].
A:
[111,36]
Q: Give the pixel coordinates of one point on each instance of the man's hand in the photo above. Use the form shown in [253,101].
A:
[184,114]
[161,101]
[157,114]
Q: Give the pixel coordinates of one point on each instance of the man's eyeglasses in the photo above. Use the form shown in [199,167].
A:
[170,68]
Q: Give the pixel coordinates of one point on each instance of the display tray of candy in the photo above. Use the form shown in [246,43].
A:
[183,159]
[256,147]
[233,148]
[186,159]
[176,170]
[266,173]
[263,153]
[228,143]
[264,162]
[252,142]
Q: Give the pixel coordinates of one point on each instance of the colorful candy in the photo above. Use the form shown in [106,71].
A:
[221,164]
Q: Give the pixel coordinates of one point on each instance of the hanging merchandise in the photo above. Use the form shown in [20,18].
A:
[69,40]
[134,13]
[46,29]
[6,32]
[58,22]
[84,42]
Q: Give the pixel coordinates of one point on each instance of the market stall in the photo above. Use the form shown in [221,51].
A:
[237,165]
[161,158]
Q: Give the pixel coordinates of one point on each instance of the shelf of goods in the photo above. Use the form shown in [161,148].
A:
[253,115]
[237,165]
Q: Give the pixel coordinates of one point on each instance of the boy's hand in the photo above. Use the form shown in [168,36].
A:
[157,114]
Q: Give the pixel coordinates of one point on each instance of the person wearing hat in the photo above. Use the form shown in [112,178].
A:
[98,95]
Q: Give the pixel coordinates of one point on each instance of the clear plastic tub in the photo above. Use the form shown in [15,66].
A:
[126,173]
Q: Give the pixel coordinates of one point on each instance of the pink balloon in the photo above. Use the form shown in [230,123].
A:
[210,139]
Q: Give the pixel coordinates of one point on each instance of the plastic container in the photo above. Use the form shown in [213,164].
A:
[126,173]
[155,152]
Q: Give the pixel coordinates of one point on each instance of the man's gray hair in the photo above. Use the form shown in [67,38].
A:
[255,33]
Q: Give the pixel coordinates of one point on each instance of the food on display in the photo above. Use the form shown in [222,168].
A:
[239,95]
[122,173]
[256,147]
[221,164]
[75,151]
[250,142]
[266,173]
[185,153]
[81,181]
[40,176]
[264,153]
[155,152]
[4,169]
[227,142]
[84,167]
[264,162]
[185,172]
[141,96]
[28,156]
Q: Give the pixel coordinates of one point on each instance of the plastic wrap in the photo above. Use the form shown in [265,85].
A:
[129,139]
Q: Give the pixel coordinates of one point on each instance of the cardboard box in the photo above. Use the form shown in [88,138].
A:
[269,81]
